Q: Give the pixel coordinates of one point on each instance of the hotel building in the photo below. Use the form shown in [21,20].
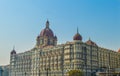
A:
[48,58]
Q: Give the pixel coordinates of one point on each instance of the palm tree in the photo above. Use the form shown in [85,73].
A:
[75,73]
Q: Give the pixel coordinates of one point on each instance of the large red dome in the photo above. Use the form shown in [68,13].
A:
[47,31]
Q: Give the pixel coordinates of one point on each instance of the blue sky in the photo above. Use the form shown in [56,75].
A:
[22,20]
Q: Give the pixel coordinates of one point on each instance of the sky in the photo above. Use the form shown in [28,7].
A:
[22,20]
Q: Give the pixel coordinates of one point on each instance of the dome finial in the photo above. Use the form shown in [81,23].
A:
[77,30]
[14,47]
[47,24]
[77,36]
[89,38]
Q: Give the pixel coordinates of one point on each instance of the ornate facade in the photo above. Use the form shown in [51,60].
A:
[48,58]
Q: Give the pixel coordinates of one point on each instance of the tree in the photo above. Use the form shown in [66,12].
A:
[75,73]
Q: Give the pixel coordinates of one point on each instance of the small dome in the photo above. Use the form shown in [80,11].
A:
[47,31]
[77,36]
[119,50]
[13,52]
[90,42]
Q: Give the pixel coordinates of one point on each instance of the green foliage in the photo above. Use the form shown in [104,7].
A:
[75,73]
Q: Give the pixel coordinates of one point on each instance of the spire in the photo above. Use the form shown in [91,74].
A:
[77,36]
[13,47]
[77,30]
[89,39]
[47,24]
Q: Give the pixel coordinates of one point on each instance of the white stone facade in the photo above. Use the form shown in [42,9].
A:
[49,59]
